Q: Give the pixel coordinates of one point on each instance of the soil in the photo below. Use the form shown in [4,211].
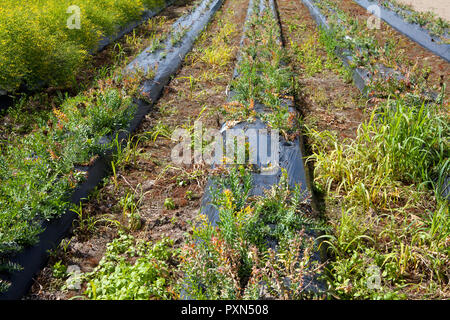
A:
[152,174]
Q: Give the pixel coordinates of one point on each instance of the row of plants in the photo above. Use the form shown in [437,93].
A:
[263,77]
[164,43]
[262,247]
[213,54]
[41,168]
[38,171]
[383,189]
[236,259]
[38,47]
[351,36]
[36,107]
[428,20]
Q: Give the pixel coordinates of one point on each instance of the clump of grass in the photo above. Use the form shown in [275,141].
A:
[399,144]
[219,53]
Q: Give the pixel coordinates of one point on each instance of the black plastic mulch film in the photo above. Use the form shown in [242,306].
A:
[169,60]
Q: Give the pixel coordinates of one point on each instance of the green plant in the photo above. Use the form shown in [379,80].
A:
[169,204]
[37,46]
[160,130]
[178,35]
[190,195]
[383,179]
[134,270]
[406,144]
[263,78]
[130,209]
[38,171]
[436,25]
[233,259]
[85,223]
[4,285]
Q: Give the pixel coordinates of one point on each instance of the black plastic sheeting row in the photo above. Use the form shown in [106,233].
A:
[290,158]
[33,259]
[411,30]
[362,77]
[6,101]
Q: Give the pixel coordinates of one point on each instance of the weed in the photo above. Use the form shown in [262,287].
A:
[85,222]
[383,177]
[169,204]
[234,258]
[130,209]
[59,270]
[160,130]
[48,51]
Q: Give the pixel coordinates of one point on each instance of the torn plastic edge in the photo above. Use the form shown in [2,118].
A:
[34,258]
[413,31]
